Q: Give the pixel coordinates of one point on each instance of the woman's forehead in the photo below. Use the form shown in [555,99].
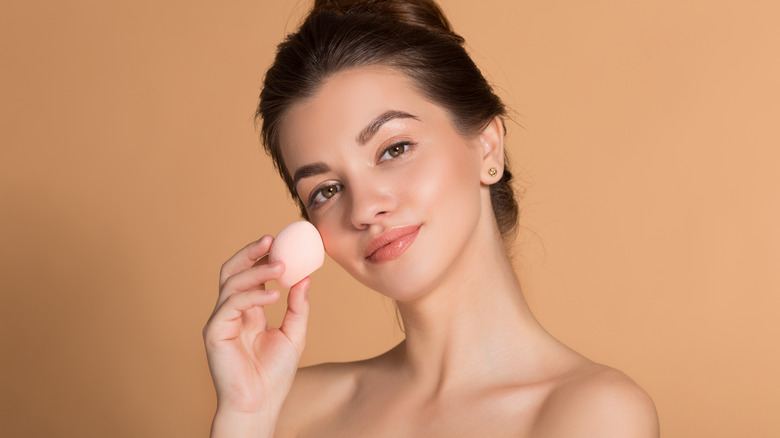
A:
[353,95]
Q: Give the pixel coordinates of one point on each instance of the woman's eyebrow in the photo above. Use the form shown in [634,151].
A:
[372,128]
[307,171]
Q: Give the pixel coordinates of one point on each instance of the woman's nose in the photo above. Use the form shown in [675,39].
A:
[371,203]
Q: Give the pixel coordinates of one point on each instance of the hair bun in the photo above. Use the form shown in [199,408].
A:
[421,13]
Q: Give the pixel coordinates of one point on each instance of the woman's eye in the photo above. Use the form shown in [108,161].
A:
[394,151]
[328,192]
[322,194]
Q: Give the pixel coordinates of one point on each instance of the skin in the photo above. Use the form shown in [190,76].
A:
[475,361]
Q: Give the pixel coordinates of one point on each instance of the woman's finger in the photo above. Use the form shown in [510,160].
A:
[254,276]
[225,323]
[250,279]
[297,316]
[245,258]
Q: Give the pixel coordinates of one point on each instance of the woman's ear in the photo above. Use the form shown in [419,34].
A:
[492,140]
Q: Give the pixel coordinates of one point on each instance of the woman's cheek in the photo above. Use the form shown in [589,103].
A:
[427,186]
[339,248]
[330,243]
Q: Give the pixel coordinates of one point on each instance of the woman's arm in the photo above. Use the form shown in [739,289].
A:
[240,425]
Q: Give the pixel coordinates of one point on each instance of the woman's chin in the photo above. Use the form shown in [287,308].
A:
[407,285]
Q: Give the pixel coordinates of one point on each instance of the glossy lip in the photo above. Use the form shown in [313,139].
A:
[391,243]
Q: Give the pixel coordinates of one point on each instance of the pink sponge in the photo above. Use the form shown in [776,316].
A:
[299,247]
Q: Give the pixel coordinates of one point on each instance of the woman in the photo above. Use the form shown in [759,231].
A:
[392,143]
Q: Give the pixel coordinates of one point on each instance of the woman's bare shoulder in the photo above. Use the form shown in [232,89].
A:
[598,401]
[317,392]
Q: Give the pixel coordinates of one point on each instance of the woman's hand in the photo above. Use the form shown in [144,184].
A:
[253,365]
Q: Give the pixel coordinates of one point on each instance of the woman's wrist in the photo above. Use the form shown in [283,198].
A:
[229,424]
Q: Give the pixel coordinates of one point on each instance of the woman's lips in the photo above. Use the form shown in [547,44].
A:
[391,244]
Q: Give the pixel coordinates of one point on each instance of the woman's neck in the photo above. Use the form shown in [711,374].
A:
[475,327]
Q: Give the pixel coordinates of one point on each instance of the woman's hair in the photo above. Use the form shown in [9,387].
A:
[412,36]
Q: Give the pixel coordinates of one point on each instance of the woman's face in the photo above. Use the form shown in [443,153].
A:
[388,181]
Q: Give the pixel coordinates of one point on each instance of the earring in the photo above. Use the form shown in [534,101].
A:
[492,171]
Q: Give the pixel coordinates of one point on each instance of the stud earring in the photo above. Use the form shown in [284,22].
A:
[492,171]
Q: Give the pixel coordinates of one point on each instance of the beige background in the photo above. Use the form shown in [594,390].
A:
[645,135]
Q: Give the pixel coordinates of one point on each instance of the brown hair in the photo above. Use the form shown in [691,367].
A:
[412,36]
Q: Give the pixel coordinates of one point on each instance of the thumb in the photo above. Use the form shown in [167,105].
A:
[296,317]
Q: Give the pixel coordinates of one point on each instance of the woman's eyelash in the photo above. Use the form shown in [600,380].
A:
[334,189]
[399,149]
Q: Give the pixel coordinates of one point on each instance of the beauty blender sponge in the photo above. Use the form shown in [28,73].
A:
[299,247]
